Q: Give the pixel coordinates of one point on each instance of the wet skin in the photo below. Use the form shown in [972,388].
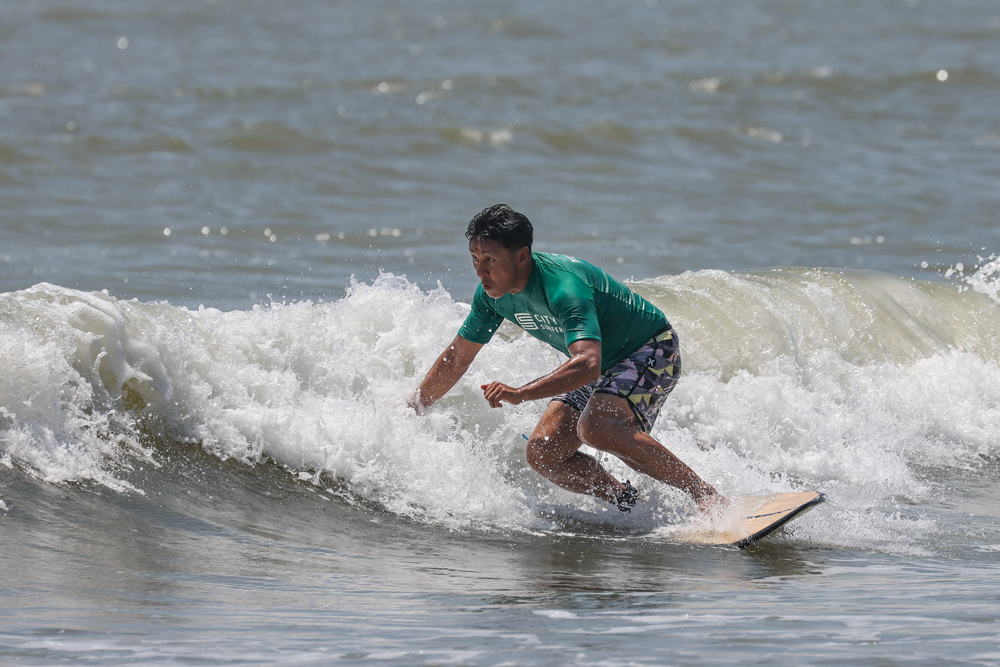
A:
[607,424]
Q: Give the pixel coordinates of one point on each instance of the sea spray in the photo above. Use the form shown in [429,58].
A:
[835,380]
[53,421]
[849,382]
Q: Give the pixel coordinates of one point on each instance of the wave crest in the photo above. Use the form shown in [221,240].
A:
[862,384]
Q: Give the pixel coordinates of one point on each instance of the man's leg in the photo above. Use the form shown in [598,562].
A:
[608,424]
[553,452]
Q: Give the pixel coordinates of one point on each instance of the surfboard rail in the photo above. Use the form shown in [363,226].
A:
[781,517]
[750,518]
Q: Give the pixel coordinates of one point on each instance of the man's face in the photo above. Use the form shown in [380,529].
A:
[497,268]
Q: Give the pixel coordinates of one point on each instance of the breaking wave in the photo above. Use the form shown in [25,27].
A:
[867,386]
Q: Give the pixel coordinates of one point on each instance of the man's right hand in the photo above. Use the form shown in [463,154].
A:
[446,371]
[495,392]
[415,404]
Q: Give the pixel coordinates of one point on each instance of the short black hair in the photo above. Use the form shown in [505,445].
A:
[502,224]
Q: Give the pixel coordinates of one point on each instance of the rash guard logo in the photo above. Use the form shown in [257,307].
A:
[532,322]
[526,321]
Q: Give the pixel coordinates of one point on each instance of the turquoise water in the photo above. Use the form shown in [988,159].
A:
[231,244]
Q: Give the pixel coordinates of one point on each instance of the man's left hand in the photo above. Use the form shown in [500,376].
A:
[495,392]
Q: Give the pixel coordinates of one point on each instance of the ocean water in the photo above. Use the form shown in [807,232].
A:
[231,245]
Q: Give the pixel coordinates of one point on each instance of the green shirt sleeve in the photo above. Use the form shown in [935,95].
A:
[482,321]
[572,302]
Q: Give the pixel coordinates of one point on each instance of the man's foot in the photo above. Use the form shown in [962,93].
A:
[627,497]
[711,503]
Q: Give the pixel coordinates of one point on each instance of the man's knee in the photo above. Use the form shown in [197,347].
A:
[603,423]
[604,428]
[592,428]
[546,456]
[538,454]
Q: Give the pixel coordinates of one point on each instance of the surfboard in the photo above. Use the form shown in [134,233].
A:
[751,518]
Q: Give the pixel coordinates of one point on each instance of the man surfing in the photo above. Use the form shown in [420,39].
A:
[623,361]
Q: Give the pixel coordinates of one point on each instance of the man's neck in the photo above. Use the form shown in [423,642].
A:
[522,282]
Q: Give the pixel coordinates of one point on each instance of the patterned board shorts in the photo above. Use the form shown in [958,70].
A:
[644,377]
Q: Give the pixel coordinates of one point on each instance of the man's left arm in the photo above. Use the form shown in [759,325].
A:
[583,367]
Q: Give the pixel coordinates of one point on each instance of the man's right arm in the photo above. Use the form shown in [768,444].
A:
[446,371]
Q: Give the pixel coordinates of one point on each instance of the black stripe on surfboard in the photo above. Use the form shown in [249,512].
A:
[750,539]
[761,516]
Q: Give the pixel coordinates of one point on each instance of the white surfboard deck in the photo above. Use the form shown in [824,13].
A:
[750,518]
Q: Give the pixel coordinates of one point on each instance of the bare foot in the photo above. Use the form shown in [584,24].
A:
[711,502]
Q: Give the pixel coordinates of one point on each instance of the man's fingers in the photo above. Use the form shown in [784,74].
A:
[493,393]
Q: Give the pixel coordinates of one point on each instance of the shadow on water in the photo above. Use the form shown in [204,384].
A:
[599,573]
[206,531]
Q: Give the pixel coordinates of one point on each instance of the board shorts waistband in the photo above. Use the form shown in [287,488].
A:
[644,378]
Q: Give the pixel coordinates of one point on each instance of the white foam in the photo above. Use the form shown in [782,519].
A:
[52,421]
[849,383]
[987,279]
[555,613]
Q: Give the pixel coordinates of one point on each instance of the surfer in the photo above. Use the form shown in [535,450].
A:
[623,361]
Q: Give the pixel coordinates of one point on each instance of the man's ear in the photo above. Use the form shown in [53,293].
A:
[522,255]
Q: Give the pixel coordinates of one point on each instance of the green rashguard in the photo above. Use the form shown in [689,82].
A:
[567,300]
